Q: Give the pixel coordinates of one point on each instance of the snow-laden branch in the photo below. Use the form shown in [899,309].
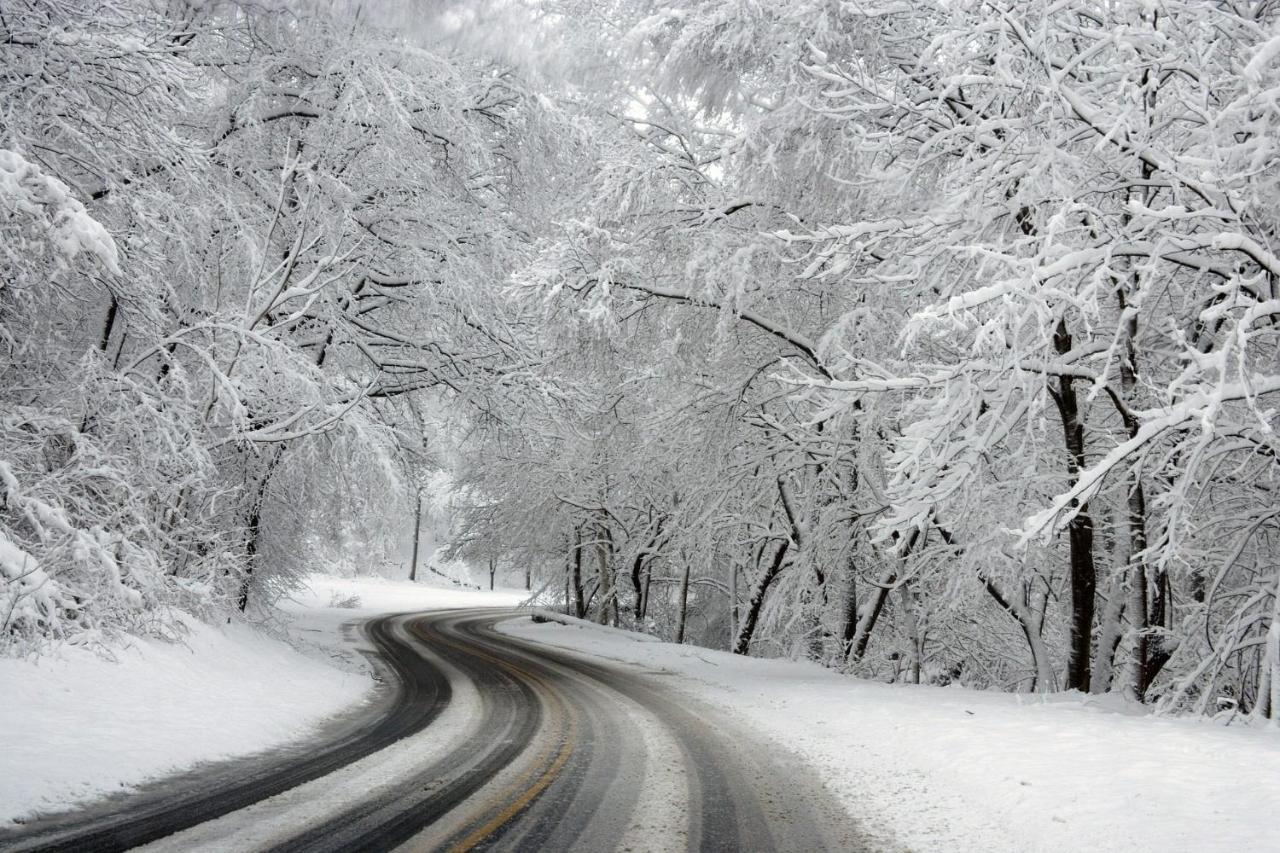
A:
[1196,407]
[797,341]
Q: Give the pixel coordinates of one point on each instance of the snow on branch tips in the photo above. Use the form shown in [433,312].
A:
[49,208]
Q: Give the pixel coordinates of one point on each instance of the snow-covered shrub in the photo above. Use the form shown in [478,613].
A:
[344,602]
[91,489]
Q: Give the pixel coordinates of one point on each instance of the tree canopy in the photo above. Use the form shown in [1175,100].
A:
[932,341]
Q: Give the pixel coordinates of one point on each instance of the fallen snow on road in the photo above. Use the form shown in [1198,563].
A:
[945,768]
[75,724]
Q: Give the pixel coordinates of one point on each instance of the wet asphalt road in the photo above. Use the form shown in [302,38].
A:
[532,748]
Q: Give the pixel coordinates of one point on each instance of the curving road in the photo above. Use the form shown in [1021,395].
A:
[485,742]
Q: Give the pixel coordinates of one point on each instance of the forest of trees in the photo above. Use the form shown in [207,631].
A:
[933,341]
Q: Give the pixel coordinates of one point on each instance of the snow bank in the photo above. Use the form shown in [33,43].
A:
[74,726]
[953,769]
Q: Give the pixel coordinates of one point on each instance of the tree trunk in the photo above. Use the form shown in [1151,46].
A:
[636,566]
[251,557]
[579,606]
[915,632]
[742,644]
[608,591]
[818,633]
[639,590]
[109,324]
[1147,610]
[417,530]
[863,619]
[648,581]
[1268,706]
[253,526]
[1035,643]
[1083,575]
[850,628]
[733,602]
[493,570]
[683,610]
[868,615]
[1112,630]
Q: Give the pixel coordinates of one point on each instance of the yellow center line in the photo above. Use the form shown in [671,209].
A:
[545,689]
[520,793]
[516,805]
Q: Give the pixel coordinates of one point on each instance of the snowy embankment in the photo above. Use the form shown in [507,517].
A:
[75,725]
[934,768]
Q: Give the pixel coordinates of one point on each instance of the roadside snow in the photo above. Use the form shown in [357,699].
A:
[379,595]
[922,767]
[937,768]
[75,725]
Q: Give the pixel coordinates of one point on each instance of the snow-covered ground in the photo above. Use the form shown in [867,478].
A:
[76,725]
[379,595]
[921,767]
[937,768]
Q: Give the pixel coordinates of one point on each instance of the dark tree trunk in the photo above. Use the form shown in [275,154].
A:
[867,621]
[253,529]
[109,324]
[733,602]
[1157,653]
[579,606]
[648,581]
[639,574]
[818,633]
[1152,656]
[1083,589]
[1083,574]
[417,530]
[115,361]
[862,621]
[1146,602]
[636,566]
[251,551]
[1141,594]
[850,606]
[742,644]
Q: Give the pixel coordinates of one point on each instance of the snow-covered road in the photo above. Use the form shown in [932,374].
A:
[496,742]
